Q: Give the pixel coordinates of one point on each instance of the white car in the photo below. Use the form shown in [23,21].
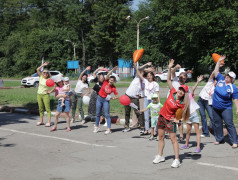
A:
[33,80]
[91,78]
[163,75]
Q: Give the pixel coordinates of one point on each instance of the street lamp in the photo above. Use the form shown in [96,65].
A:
[138,27]
[74,45]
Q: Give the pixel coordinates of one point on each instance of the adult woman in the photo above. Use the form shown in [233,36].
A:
[103,100]
[205,103]
[151,87]
[59,93]
[224,92]
[96,88]
[43,95]
[177,99]
[78,95]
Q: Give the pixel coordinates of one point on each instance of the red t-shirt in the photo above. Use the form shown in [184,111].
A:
[171,105]
[107,89]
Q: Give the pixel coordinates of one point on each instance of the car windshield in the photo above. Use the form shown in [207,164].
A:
[35,75]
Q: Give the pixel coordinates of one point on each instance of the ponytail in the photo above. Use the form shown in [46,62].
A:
[186,109]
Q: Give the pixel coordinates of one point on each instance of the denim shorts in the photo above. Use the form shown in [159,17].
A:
[194,118]
[65,108]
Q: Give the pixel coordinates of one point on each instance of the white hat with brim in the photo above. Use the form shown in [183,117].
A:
[232,75]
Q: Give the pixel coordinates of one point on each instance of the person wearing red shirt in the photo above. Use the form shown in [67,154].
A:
[103,100]
[176,100]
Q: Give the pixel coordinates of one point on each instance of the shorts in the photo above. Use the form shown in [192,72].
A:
[194,118]
[167,125]
[154,121]
[65,108]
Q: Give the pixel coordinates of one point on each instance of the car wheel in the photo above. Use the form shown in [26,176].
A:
[158,79]
[36,84]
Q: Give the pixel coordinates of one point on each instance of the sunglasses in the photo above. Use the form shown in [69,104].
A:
[45,72]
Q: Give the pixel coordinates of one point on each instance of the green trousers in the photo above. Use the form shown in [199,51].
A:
[44,104]
[77,98]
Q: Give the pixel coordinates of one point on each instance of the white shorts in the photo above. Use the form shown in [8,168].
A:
[194,118]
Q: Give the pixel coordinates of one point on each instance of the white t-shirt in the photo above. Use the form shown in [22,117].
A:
[193,105]
[135,88]
[208,91]
[80,86]
[150,88]
[66,87]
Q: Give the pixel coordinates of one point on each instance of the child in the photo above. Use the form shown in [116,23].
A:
[193,119]
[154,107]
[66,89]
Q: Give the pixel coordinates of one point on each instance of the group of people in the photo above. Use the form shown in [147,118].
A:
[180,107]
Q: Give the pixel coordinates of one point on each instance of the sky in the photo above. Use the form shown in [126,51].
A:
[135,4]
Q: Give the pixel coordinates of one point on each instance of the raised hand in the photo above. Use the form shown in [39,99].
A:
[88,68]
[200,78]
[171,63]
[115,68]
[46,63]
[149,63]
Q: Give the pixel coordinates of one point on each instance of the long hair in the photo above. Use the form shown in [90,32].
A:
[186,109]
[86,81]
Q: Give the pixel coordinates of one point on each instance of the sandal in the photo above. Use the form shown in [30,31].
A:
[143,134]
[47,125]
[53,129]
[68,129]
[180,139]
[39,123]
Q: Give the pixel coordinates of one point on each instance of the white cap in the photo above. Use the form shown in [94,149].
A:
[58,80]
[232,75]
[66,79]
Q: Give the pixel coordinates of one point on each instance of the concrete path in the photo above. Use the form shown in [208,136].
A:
[30,152]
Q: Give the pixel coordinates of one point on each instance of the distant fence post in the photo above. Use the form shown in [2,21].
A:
[1,83]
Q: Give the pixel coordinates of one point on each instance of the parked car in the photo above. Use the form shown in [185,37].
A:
[33,80]
[163,75]
[104,72]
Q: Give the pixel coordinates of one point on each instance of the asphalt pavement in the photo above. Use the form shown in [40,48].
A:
[30,152]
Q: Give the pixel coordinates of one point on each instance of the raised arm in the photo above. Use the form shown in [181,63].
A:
[199,79]
[212,76]
[39,68]
[82,73]
[144,66]
[95,72]
[171,63]
[174,70]
[138,73]
[110,72]
[216,70]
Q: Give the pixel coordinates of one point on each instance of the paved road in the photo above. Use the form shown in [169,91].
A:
[28,152]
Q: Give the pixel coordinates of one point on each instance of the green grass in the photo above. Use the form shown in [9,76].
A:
[12,83]
[26,98]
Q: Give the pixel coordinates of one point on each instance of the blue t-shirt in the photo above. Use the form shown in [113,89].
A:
[223,94]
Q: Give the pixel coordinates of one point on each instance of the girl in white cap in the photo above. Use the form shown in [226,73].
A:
[154,107]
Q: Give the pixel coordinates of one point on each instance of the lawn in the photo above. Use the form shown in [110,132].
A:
[26,98]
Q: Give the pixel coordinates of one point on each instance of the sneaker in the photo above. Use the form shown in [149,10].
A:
[176,163]
[108,132]
[158,159]
[184,147]
[197,150]
[96,129]
[126,129]
[142,131]
[203,136]
[151,138]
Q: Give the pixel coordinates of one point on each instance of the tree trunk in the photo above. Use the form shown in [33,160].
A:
[83,49]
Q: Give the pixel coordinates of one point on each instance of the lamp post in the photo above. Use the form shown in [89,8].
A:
[74,45]
[138,28]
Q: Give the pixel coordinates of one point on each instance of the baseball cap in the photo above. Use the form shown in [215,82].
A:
[154,96]
[66,79]
[185,87]
[232,74]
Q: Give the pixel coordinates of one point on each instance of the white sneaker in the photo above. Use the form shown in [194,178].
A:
[96,129]
[105,124]
[158,159]
[108,132]
[176,163]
